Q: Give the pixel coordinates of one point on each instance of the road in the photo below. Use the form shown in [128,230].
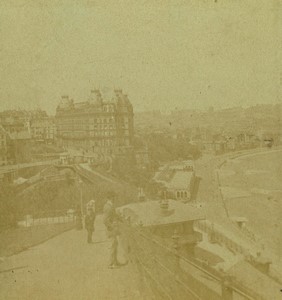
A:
[65,268]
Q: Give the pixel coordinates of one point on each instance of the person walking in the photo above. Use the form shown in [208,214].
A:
[89,224]
[111,223]
[78,218]
[91,205]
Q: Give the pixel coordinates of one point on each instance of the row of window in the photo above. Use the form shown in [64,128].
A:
[86,120]
[101,143]
[105,143]
[181,194]
[101,133]
[93,120]
[91,133]
[108,108]
[95,127]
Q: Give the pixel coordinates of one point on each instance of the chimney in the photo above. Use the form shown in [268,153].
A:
[96,96]
[64,101]
[118,93]
[125,97]
[65,97]
[164,207]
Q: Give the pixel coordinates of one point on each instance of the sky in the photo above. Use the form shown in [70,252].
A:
[165,54]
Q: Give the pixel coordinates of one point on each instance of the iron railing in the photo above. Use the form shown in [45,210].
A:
[47,218]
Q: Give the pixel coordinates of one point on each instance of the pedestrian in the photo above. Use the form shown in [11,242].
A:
[78,218]
[89,224]
[113,236]
[91,205]
[111,223]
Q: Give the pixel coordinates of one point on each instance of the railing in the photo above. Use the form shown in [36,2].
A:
[47,218]
[174,276]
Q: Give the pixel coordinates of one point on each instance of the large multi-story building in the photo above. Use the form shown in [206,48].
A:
[96,125]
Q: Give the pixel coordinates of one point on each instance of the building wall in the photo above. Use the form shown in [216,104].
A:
[97,125]
[43,128]
[4,159]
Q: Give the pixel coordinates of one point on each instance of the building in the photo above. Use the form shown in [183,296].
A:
[4,140]
[214,147]
[42,129]
[18,120]
[12,121]
[142,158]
[97,125]
[164,219]
[178,180]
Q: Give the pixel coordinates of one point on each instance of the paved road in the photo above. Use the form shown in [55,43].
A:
[65,268]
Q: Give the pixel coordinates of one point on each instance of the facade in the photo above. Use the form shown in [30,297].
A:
[142,158]
[18,120]
[178,180]
[42,129]
[96,125]
[165,218]
[3,147]
[214,147]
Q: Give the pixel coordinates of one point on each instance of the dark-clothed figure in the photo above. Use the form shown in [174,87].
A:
[79,224]
[111,223]
[89,224]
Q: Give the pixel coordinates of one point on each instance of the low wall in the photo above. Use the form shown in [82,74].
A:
[15,240]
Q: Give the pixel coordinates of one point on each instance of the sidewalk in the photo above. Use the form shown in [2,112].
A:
[65,268]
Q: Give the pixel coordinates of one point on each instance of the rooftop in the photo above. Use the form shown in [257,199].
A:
[180,180]
[149,213]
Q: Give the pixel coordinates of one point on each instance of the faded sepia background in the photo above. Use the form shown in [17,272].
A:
[140,149]
[168,54]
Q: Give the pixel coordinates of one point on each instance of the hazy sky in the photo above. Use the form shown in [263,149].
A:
[164,54]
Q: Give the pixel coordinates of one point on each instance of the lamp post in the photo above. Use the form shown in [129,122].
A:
[79,213]
[81,200]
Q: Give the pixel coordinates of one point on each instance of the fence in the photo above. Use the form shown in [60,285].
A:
[48,217]
[171,275]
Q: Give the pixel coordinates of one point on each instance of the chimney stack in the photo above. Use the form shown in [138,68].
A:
[96,96]
[164,207]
